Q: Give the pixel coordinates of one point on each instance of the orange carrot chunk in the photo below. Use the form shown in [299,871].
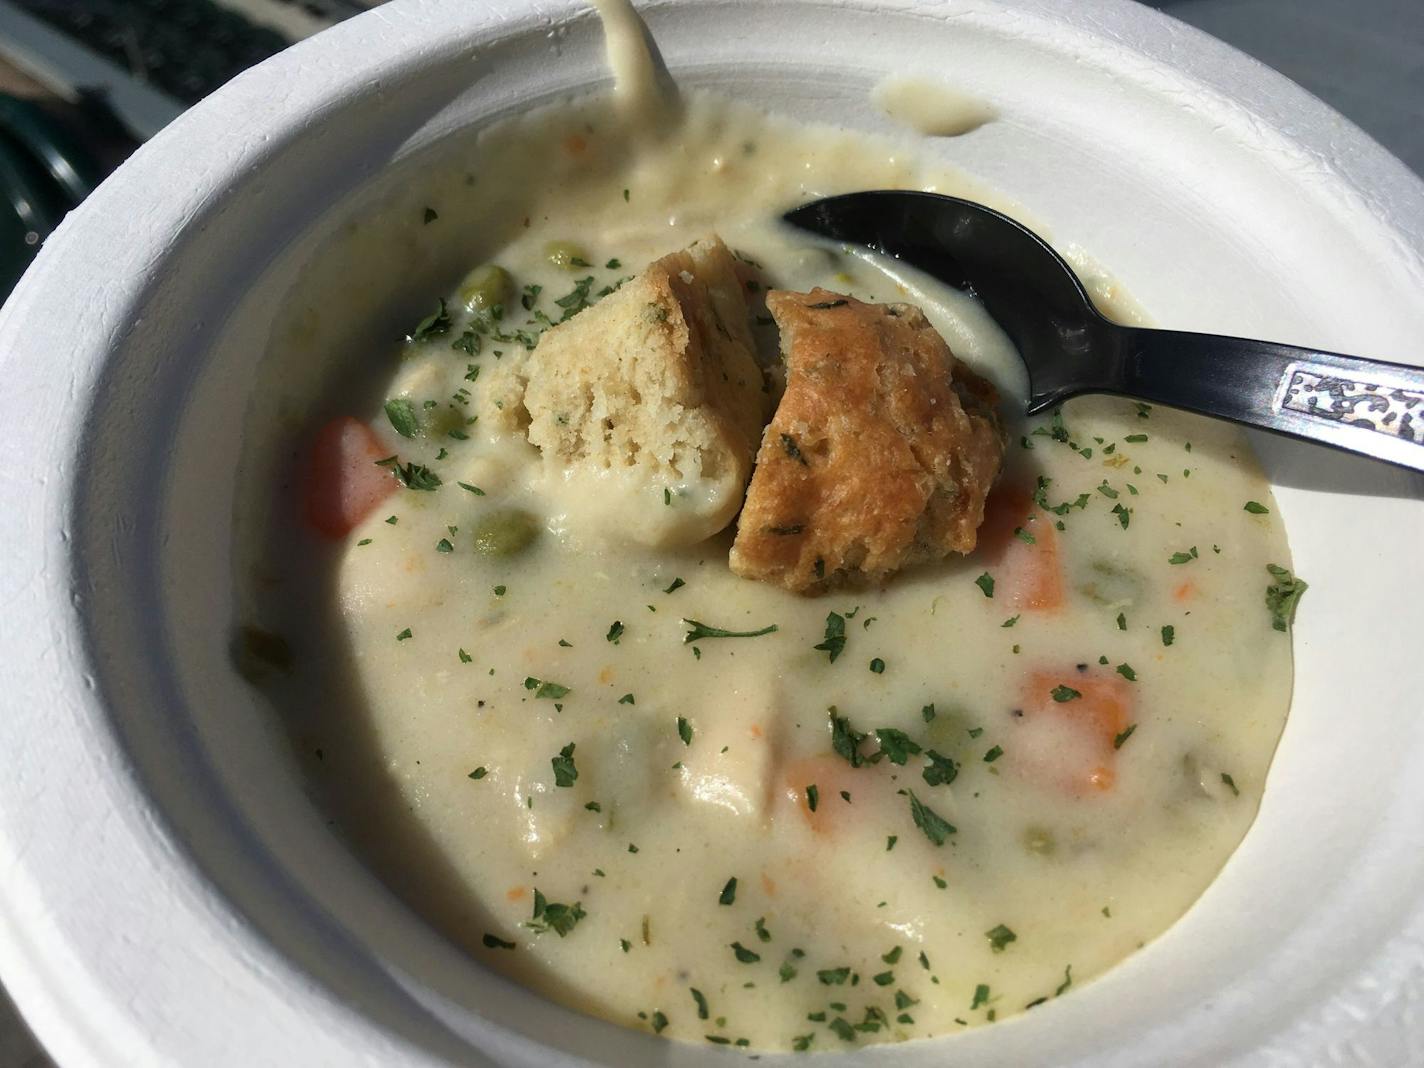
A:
[1019,544]
[829,775]
[1069,728]
[343,485]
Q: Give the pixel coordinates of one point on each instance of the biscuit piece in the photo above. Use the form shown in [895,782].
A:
[880,454]
[647,407]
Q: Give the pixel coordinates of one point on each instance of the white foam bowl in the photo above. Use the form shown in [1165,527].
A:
[170,897]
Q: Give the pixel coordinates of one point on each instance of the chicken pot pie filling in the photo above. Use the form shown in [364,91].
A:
[1003,739]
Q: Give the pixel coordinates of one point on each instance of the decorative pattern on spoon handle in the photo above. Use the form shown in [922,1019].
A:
[1384,409]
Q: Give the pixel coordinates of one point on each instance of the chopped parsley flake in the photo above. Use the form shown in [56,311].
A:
[1119,739]
[434,324]
[565,774]
[1257,508]
[552,916]
[999,937]
[1231,783]
[813,797]
[833,976]
[403,635]
[897,746]
[627,699]
[993,754]
[846,740]
[551,690]
[1169,634]
[576,300]
[401,413]
[411,475]
[877,666]
[986,583]
[834,642]
[1125,670]
[615,632]
[493,942]
[981,996]
[684,731]
[729,892]
[677,584]
[745,955]
[1063,693]
[935,826]
[1283,596]
[479,773]
[940,771]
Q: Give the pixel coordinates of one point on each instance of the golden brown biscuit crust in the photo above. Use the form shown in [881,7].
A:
[880,454]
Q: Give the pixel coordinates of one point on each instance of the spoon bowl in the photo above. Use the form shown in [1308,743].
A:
[1368,407]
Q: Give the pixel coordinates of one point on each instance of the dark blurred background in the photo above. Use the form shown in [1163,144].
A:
[84,82]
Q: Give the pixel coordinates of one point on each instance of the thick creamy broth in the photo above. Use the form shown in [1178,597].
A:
[1074,730]
[930,109]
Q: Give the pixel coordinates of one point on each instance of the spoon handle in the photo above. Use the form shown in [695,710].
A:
[1363,406]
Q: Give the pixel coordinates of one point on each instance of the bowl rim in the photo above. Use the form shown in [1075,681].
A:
[192,162]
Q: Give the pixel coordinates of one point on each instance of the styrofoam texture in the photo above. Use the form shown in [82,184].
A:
[169,895]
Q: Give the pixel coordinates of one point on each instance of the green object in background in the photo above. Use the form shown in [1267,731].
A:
[44,173]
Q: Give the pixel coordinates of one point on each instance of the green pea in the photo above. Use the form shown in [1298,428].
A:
[566,254]
[505,532]
[1113,585]
[1039,841]
[485,286]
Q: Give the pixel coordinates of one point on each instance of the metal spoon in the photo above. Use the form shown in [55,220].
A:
[1368,407]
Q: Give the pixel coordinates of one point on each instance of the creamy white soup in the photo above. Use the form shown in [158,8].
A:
[704,806]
